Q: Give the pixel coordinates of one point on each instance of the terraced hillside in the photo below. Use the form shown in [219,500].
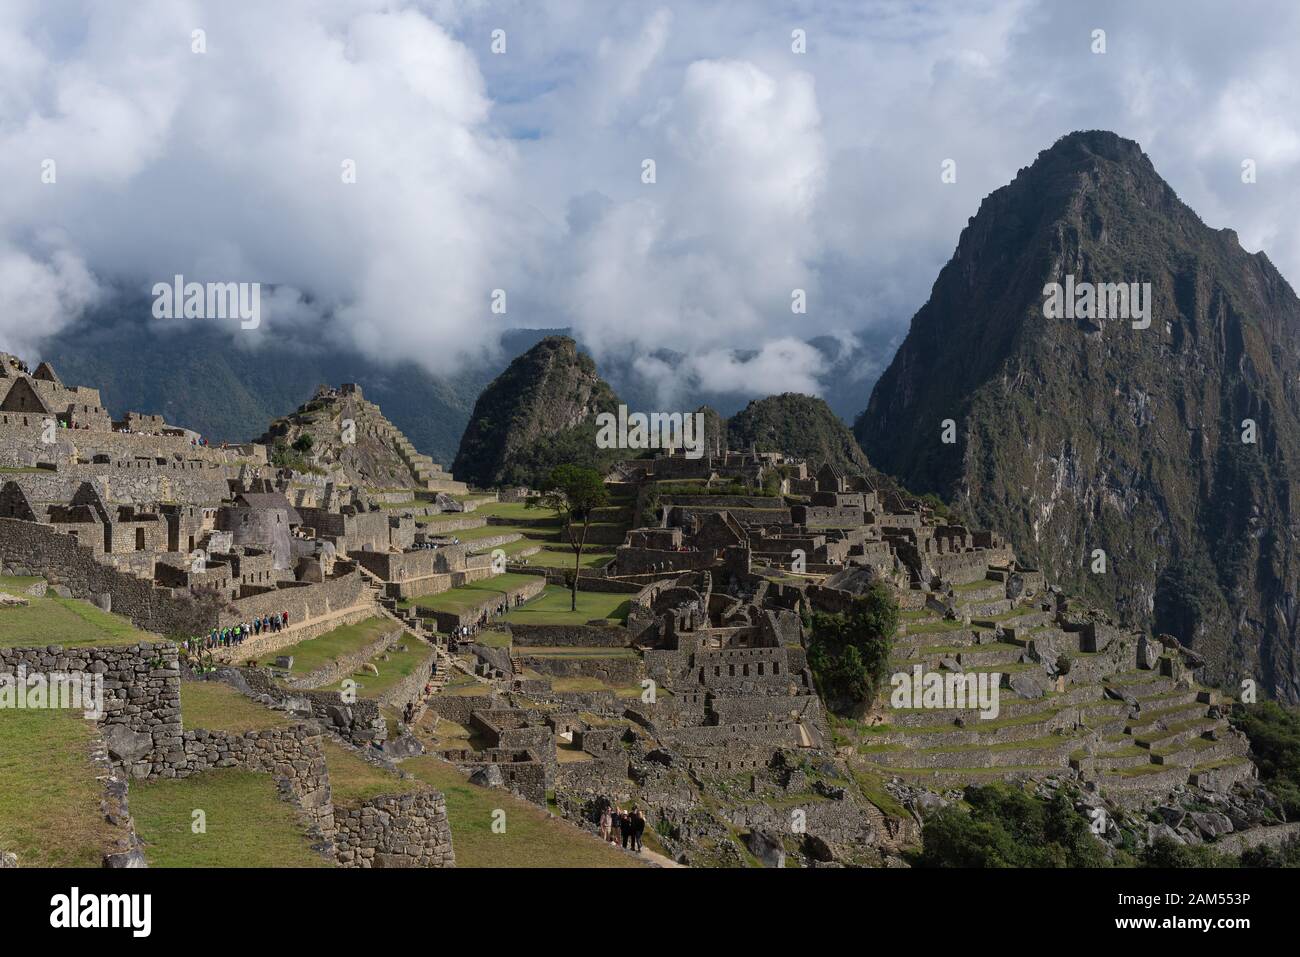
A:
[1069,704]
[341,434]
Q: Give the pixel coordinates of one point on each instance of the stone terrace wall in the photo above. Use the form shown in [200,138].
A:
[576,636]
[292,756]
[359,722]
[44,551]
[268,643]
[340,668]
[410,687]
[395,830]
[458,708]
[301,601]
[142,694]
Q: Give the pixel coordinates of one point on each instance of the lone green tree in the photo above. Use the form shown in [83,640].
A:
[574,493]
[849,652]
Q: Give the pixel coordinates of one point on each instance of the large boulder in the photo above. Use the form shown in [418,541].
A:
[766,847]
[1027,685]
[1148,653]
[405,745]
[488,776]
[126,745]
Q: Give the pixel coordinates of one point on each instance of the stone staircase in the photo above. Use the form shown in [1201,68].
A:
[427,473]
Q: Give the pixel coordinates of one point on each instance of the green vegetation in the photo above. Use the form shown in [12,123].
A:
[246,824]
[574,494]
[354,780]
[554,607]
[216,706]
[1274,733]
[49,805]
[1005,827]
[467,597]
[315,652]
[531,838]
[61,621]
[283,456]
[400,664]
[798,425]
[849,653]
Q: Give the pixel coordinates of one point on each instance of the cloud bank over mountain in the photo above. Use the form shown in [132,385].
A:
[503,146]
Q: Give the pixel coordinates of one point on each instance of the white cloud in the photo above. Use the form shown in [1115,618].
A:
[522,171]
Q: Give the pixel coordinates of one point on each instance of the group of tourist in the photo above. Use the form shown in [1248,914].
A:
[617,825]
[233,636]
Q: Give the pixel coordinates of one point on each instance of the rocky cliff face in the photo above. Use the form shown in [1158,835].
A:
[1081,433]
[540,412]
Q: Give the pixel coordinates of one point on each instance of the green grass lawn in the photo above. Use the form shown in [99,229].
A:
[49,795]
[493,639]
[469,596]
[314,652]
[216,706]
[531,838]
[354,780]
[246,823]
[399,665]
[61,621]
[486,531]
[557,557]
[552,607]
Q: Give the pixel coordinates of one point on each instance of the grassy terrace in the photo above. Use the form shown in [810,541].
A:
[216,706]
[315,652]
[49,804]
[532,838]
[469,596]
[540,526]
[399,665]
[552,607]
[61,621]
[247,825]
[354,780]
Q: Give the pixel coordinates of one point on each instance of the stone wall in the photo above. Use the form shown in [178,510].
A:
[302,600]
[617,671]
[267,643]
[358,722]
[395,830]
[142,687]
[292,756]
[575,636]
[43,551]
[341,667]
[458,708]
